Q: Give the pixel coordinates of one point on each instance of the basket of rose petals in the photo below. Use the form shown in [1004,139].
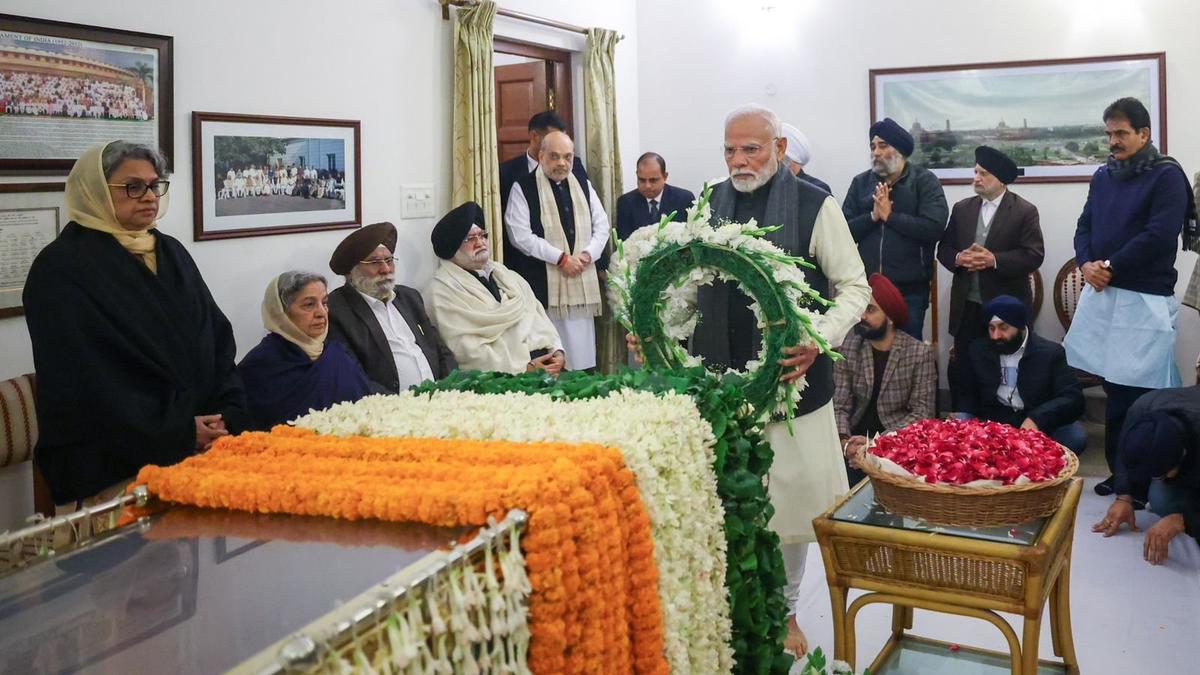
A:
[968,472]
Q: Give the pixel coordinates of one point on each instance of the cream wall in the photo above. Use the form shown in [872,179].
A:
[387,63]
[809,61]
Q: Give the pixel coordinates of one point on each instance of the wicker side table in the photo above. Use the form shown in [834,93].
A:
[974,572]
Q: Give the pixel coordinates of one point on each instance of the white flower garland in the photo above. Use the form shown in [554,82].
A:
[665,442]
[678,314]
[484,628]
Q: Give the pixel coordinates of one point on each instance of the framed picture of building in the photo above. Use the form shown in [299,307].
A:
[1046,115]
[65,87]
[257,175]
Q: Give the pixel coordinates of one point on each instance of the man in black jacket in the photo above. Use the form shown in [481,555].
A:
[652,199]
[381,323]
[897,212]
[1022,379]
[1160,460]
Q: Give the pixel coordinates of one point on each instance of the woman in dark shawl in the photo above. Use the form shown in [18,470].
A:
[134,360]
[294,370]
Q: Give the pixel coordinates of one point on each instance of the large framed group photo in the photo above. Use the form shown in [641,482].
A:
[65,87]
[258,175]
[1046,114]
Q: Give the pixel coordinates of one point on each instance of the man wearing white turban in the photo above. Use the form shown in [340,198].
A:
[799,153]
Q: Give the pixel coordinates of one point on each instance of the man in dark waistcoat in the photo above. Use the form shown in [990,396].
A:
[807,475]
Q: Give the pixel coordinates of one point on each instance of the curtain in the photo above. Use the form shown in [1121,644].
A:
[603,162]
[475,162]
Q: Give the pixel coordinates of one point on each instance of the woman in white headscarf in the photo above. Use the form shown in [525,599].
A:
[295,369]
[134,360]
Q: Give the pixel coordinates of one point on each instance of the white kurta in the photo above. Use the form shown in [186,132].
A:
[807,475]
[578,334]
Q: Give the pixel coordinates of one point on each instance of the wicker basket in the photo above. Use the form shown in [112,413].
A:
[960,506]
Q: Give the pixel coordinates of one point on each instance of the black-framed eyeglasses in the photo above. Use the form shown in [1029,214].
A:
[478,237]
[137,189]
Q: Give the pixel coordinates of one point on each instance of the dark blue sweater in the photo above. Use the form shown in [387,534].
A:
[1135,224]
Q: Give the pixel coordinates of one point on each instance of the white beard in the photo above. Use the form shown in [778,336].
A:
[759,179]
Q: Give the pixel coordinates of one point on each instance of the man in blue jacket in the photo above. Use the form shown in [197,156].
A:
[1160,449]
[1125,323]
[897,212]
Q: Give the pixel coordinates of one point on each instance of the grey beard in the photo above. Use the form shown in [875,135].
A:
[380,288]
[468,262]
[890,166]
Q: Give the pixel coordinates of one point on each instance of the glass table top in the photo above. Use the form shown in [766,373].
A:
[915,656]
[861,507]
[195,591]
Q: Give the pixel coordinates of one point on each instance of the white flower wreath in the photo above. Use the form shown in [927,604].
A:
[663,266]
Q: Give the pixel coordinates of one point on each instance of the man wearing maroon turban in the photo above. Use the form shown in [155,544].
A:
[888,377]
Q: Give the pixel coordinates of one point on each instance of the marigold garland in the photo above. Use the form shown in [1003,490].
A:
[665,441]
[589,551]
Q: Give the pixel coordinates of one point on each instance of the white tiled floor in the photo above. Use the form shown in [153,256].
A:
[1128,617]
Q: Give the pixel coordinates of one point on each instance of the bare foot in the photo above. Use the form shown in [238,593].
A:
[795,642]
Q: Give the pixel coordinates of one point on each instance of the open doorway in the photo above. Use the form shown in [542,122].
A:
[529,79]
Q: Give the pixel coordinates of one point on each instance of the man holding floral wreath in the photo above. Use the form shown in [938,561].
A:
[807,475]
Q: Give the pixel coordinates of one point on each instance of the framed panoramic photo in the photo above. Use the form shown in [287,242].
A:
[65,87]
[1046,115]
[257,175]
[31,216]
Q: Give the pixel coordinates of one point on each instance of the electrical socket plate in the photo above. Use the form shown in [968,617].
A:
[416,200]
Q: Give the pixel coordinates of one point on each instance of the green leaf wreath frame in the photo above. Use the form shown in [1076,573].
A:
[757,265]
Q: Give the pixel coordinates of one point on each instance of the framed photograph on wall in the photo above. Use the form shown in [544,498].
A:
[65,87]
[257,175]
[1046,115]
[31,216]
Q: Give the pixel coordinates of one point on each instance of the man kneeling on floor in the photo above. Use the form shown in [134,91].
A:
[1159,452]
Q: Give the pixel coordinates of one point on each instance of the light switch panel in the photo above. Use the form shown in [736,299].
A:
[416,200]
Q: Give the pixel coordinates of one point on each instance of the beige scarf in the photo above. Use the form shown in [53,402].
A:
[89,203]
[485,334]
[276,320]
[568,297]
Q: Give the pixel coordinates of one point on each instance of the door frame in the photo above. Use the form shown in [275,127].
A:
[558,72]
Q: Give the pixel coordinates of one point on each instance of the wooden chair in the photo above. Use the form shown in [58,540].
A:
[1068,286]
[1036,294]
[19,432]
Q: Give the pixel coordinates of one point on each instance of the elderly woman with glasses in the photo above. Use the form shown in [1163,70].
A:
[294,369]
[134,359]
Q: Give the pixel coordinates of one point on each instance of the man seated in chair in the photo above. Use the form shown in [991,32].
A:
[888,377]
[1021,379]
[1160,461]
[487,314]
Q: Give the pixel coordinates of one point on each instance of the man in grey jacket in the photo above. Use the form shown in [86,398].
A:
[897,212]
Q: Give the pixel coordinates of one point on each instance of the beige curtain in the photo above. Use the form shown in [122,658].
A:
[474,158]
[603,164]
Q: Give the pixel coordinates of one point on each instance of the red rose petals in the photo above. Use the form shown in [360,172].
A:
[962,451]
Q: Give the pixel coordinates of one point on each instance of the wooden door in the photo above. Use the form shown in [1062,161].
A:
[525,89]
[521,93]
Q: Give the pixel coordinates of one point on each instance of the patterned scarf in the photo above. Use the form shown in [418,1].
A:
[1142,161]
